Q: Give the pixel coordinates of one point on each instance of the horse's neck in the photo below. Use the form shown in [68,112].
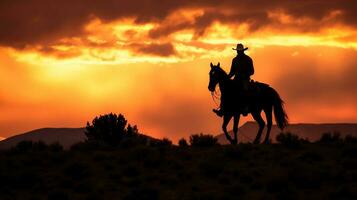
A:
[223,84]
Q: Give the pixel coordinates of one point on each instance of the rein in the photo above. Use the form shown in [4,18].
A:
[214,97]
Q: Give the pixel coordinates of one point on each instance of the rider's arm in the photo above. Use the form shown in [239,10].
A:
[252,66]
[233,70]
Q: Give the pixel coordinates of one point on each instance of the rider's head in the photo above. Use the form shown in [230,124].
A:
[240,48]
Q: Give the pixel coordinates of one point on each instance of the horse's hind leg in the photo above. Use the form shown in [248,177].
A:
[269,116]
[235,128]
[257,117]
[226,119]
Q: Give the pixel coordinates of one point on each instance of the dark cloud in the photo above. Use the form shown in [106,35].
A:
[202,22]
[47,50]
[24,23]
[157,49]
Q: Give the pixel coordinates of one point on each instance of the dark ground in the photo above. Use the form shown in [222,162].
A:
[305,171]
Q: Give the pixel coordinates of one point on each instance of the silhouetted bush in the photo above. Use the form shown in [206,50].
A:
[350,139]
[201,140]
[55,147]
[133,141]
[288,139]
[23,146]
[182,142]
[132,131]
[163,142]
[26,146]
[330,137]
[85,146]
[109,129]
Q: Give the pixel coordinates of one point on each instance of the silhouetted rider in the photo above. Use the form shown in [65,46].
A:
[242,68]
[242,65]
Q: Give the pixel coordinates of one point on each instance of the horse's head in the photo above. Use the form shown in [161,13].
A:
[215,76]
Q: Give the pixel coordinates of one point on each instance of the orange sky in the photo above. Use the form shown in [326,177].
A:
[61,65]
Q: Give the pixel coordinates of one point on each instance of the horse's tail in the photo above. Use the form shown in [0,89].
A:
[281,117]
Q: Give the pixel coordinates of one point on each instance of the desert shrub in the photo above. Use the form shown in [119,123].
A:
[132,130]
[350,139]
[26,146]
[330,137]
[288,139]
[23,146]
[55,147]
[39,146]
[163,142]
[88,145]
[182,142]
[109,129]
[201,140]
[138,140]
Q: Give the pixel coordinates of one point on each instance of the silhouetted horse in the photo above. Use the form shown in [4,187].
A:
[266,98]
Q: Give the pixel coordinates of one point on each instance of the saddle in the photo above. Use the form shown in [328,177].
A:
[255,86]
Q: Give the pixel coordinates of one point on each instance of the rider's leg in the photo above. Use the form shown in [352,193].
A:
[220,112]
[245,96]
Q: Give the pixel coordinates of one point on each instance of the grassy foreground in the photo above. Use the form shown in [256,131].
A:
[245,171]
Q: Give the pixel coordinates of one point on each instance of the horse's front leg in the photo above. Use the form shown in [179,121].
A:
[226,119]
[235,127]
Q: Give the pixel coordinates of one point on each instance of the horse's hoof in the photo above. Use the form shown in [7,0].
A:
[266,142]
[256,142]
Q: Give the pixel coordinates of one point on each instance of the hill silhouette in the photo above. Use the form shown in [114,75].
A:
[312,132]
[64,136]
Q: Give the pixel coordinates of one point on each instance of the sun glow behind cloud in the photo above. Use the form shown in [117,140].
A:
[123,41]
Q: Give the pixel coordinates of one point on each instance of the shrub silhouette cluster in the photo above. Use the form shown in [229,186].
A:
[182,142]
[330,137]
[202,140]
[161,143]
[25,146]
[335,137]
[289,139]
[109,129]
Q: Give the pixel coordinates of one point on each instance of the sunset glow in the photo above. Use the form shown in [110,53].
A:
[152,64]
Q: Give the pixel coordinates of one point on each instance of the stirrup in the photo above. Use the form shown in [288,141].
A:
[245,111]
[219,113]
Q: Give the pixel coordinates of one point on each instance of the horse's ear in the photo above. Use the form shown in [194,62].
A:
[211,65]
[219,64]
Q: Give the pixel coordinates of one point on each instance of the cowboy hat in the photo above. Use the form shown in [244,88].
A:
[240,47]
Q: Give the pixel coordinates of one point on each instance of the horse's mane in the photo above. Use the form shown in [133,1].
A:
[222,71]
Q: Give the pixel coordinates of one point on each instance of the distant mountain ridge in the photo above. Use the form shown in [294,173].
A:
[312,132]
[65,136]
